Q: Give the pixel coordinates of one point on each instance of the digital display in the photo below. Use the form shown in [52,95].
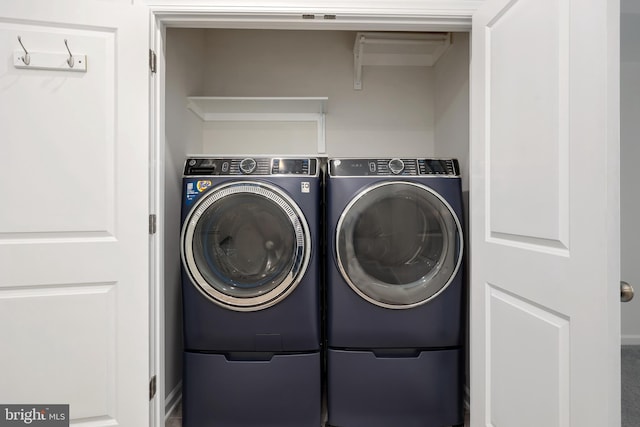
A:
[436,166]
[293,166]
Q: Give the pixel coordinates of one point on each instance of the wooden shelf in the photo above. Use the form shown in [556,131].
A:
[397,49]
[216,108]
[277,109]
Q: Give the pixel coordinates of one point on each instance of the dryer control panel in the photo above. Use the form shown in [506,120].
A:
[199,166]
[393,167]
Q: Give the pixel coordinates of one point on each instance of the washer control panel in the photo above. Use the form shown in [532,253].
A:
[199,166]
[393,167]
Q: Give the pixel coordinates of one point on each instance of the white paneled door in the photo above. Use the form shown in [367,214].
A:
[74,191]
[544,322]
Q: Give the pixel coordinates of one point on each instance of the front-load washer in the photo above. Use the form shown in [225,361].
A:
[394,292]
[250,248]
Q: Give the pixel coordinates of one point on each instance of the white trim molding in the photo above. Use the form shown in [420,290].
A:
[359,7]
[403,15]
[630,340]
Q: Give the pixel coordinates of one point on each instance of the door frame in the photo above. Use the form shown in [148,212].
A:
[454,16]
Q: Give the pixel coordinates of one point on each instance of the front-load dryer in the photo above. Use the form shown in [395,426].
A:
[394,292]
[250,246]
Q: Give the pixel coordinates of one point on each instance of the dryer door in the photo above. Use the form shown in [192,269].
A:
[245,245]
[398,244]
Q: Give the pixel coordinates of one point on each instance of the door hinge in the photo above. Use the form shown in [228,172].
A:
[152,387]
[152,61]
[152,224]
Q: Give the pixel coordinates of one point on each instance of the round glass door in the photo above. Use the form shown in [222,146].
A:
[245,245]
[398,244]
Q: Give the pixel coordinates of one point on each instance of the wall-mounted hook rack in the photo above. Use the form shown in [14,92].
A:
[62,61]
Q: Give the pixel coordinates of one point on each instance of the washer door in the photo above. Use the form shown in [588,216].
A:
[245,245]
[398,244]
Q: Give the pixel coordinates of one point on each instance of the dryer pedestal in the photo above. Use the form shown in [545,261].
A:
[395,388]
[251,390]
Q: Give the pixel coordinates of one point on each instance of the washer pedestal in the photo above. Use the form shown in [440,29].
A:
[395,388]
[251,389]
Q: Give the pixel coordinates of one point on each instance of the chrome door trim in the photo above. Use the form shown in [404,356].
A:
[298,266]
[345,213]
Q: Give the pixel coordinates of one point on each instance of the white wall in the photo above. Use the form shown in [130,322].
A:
[393,115]
[452,105]
[630,172]
[183,136]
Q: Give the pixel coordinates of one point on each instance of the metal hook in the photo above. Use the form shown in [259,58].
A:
[70,59]
[26,58]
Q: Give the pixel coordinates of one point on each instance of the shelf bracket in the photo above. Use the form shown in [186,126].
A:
[357,62]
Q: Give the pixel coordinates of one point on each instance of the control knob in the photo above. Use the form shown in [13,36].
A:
[396,166]
[247,166]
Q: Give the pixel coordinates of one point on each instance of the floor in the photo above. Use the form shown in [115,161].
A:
[175,420]
[631,386]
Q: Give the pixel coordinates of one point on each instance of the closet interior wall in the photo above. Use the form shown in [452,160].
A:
[401,111]
[183,135]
